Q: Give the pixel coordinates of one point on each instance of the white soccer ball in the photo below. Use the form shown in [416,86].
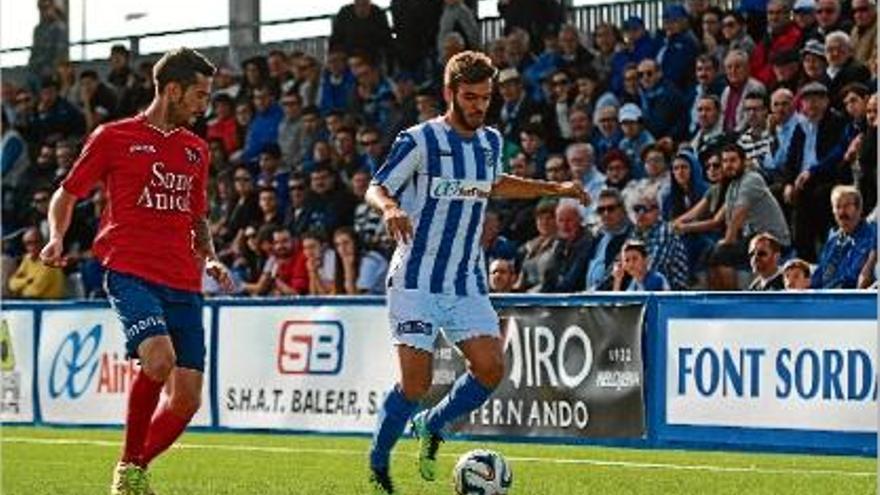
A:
[482,472]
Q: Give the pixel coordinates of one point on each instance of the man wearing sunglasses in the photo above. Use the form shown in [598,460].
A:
[666,249]
[829,18]
[615,229]
[764,251]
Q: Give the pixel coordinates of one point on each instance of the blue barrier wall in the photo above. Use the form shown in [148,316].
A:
[764,372]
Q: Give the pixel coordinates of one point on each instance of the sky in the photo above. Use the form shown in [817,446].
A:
[107,18]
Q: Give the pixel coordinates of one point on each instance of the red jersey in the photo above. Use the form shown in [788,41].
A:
[156,188]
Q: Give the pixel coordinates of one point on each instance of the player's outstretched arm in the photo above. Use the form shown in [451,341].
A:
[204,245]
[397,222]
[60,211]
[512,187]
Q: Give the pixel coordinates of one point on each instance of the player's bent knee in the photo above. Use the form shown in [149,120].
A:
[157,358]
[158,366]
[186,403]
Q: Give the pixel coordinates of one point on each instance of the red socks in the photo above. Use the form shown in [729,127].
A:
[142,402]
[166,427]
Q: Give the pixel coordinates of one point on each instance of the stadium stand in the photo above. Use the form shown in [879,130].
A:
[297,129]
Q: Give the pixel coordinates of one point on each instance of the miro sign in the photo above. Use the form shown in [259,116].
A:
[772,373]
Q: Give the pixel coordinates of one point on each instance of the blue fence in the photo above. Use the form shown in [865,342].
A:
[763,372]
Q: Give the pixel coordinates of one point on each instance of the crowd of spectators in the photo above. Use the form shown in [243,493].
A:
[730,149]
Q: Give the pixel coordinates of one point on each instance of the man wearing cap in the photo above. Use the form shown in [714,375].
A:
[814,63]
[782,34]
[811,169]
[635,137]
[638,45]
[805,18]
[864,31]
[843,68]
[678,54]
[517,108]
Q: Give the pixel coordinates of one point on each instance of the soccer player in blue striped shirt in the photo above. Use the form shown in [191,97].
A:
[432,192]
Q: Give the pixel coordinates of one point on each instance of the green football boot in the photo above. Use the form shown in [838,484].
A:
[429,443]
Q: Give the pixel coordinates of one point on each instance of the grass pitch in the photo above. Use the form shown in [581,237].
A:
[43,461]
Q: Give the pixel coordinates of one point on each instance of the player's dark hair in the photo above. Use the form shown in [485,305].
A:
[468,67]
[181,66]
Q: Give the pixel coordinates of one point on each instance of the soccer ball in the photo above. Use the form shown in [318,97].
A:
[482,472]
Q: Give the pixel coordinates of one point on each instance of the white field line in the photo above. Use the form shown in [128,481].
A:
[540,460]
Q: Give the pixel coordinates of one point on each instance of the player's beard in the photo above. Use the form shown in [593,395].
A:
[472,123]
[177,114]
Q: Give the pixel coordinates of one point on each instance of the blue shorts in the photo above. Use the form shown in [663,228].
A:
[147,309]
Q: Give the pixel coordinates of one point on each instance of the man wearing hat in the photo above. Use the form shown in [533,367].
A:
[811,169]
[517,109]
[814,63]
[782,34]
[678,54]
[805,18]
[638,45]
[635,137]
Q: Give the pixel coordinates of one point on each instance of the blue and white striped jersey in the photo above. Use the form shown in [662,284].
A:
[442,181]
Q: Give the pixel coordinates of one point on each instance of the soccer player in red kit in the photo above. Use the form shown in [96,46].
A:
[154,243]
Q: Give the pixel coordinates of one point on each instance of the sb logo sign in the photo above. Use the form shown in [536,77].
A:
[311,347]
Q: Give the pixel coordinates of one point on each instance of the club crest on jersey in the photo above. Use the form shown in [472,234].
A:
[490,157]
[192,155]
[142,148]
[460,189]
